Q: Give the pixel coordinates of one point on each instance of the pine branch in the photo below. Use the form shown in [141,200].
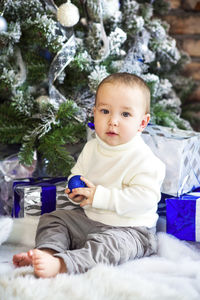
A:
[52,146]
[11,134]
[50,143]
[59,161]
[12,125]
[8,115]
[26,153]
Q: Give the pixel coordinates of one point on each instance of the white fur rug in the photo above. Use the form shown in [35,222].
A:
[174,274]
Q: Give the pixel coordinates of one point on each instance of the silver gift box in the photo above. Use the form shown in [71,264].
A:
[30,199]
[180,151]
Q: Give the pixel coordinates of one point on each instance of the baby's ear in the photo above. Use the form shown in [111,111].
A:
[144,122]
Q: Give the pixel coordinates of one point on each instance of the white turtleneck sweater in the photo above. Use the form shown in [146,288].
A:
[127,179]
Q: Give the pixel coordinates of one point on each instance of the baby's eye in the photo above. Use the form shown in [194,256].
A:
[105,111]
[126,114]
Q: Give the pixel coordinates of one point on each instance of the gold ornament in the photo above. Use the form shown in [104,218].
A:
[43,102]
[68,14]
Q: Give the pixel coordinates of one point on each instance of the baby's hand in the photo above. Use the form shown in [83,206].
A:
[77,199]
[83,196]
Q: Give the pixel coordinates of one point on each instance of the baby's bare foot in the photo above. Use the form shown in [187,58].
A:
[22,259]
[45,264]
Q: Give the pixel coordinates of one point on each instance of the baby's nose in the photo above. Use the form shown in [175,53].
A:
[113,121]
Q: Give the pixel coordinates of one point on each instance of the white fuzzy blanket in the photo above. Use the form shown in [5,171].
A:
[173,274]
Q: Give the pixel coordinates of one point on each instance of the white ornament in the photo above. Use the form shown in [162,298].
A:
[110,8]
[42,101]
[3,24]
[68,14]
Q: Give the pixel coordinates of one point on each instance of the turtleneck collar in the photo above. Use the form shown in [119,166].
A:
[118,148]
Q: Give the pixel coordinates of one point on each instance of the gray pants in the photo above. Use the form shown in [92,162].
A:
[82,243]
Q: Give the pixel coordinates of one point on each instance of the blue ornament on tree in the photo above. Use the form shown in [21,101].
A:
[140,59]
[76,182]
[45,54]
[91,125]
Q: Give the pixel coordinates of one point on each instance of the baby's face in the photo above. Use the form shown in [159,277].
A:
[119,113]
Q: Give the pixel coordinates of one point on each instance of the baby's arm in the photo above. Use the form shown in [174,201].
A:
[138,197]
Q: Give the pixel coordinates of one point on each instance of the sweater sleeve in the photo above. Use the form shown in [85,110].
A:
[140,196]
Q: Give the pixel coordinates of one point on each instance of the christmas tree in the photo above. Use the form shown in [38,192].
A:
[53,56]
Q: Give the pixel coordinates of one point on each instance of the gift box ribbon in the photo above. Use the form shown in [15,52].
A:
[48,193]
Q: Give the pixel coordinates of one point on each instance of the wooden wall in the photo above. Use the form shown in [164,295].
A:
[184,20]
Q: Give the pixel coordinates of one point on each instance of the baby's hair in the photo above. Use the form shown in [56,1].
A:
[130,80]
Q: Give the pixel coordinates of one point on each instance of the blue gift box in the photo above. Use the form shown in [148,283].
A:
[45,188]
[183,216]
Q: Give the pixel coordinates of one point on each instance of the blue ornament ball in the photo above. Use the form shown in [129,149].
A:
[76,182]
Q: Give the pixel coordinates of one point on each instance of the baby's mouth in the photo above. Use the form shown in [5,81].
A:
[111,133]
